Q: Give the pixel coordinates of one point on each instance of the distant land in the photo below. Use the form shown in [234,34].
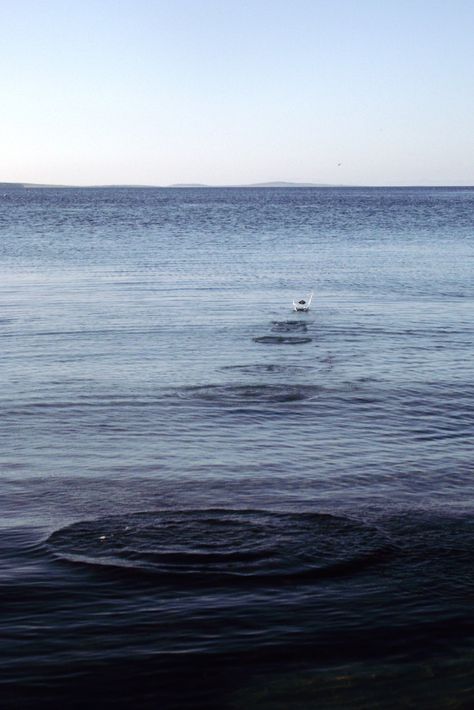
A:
[29,185]
[260,184]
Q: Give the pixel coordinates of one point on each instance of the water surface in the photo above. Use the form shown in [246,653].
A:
[211,501]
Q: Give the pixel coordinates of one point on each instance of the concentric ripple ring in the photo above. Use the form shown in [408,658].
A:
[220,546]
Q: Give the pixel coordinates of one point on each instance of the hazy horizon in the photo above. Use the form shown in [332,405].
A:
[268,184]
[222,94]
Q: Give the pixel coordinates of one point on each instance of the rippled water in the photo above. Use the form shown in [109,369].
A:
[210,501]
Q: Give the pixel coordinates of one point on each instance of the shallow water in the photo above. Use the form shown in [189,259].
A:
[211,501]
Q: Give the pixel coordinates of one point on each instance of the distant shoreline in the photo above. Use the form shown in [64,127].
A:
[192,186]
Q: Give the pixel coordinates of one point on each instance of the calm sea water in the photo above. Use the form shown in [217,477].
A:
[210,501]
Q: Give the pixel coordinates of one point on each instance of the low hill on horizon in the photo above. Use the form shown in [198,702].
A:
[30,185]
[259,184]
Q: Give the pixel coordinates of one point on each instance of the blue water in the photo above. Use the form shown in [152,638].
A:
[210,501]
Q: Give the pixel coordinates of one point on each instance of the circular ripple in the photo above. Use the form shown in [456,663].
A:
[223,546]
[259,367]
[281,340]
[251,393]
[288,326]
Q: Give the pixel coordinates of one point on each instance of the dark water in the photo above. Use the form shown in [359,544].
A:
[209,501]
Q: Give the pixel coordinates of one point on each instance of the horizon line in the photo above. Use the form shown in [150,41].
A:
[269,184]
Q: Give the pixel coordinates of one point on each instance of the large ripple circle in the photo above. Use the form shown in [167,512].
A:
[227,546]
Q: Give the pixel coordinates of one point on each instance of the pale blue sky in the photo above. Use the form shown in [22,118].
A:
[227,91]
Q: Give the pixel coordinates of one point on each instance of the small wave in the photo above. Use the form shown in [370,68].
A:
[222,546]
[281,340]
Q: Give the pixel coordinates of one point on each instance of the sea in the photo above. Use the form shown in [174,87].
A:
[210,501]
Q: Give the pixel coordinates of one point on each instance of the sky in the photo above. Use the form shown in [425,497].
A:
[154,92]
